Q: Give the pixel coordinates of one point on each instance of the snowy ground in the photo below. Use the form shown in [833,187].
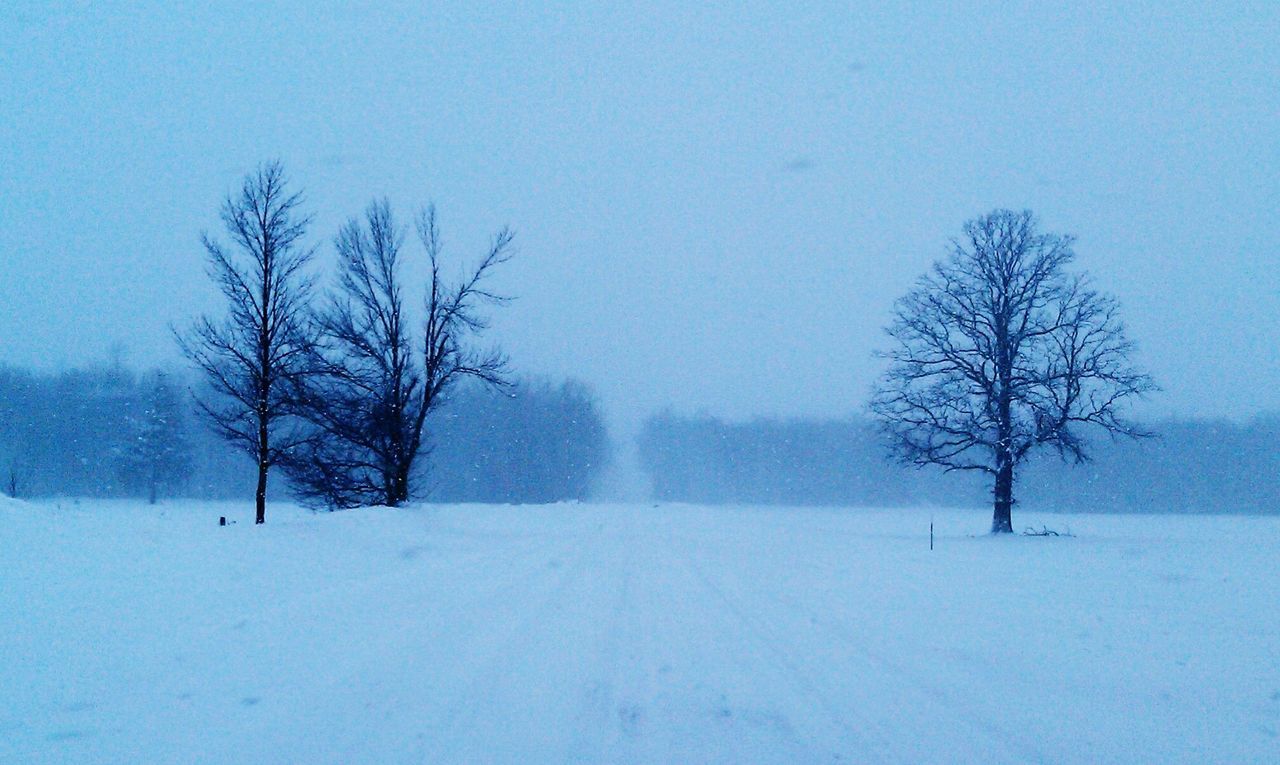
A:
[632,634]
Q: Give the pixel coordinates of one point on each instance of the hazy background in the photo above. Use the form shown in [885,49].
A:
[715,206]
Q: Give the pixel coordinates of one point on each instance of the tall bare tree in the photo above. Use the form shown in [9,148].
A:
[255,356]
[373,392]
[997,351]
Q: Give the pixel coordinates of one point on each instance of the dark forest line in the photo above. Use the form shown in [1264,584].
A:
[69,434]
[79,433]
[1190,467]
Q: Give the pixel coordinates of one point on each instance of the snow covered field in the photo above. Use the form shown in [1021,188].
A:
[632,634]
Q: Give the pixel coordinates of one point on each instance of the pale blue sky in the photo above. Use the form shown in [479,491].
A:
[715,207]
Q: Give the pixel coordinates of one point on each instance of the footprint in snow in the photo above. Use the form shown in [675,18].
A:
[630,715]
[756,718]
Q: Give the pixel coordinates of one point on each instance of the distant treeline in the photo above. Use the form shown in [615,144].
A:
[89,432]
[1192,467]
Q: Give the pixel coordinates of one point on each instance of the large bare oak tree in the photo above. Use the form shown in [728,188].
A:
[255,356]
[999,350]
[377,378]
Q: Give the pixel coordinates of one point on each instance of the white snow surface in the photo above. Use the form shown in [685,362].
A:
[620,634]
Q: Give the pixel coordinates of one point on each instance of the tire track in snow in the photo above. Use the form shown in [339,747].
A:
[688,694]
[944,701]
[371,651]
[502,652]
[599,723]
[870,740]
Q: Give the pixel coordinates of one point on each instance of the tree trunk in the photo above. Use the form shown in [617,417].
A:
[1002,523]
[261,496]
[264,462]
[399,487]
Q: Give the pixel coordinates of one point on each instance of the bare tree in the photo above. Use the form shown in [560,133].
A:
[998,351]
[373,391]
[255,356]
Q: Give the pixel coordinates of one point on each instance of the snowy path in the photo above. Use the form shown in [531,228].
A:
[633,634]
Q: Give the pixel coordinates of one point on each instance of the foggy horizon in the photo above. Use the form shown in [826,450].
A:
[714,210]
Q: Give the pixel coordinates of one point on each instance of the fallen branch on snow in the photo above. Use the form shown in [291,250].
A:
[1045,531]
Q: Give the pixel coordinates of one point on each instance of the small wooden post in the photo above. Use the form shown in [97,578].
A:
[222,520]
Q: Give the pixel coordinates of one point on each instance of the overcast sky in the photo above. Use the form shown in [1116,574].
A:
[715,207]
